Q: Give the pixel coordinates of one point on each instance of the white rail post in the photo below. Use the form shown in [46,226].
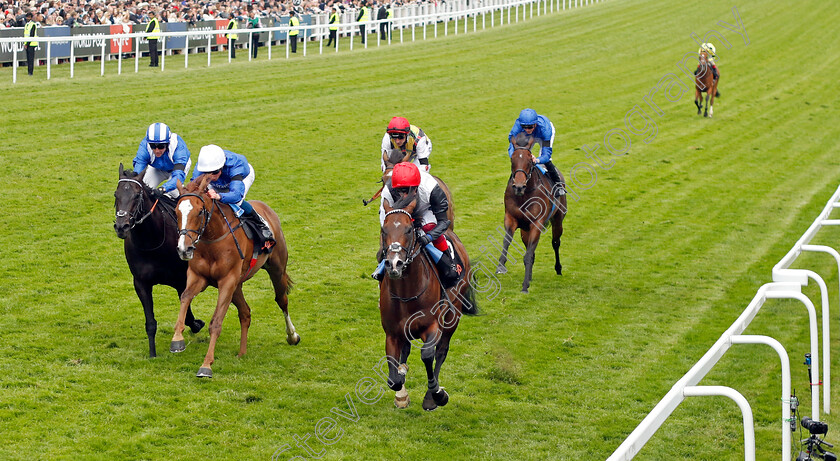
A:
[746,412]
[187,51]
[102,60]
[826,321]
[785,361]
[15,63]
[812,320]
[208,52]
[72,57]
[163,53]
[49,56]
[119,56]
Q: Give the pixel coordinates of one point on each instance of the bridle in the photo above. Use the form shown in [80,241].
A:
[133,221]
[396,247]
[204,213]
[526,173]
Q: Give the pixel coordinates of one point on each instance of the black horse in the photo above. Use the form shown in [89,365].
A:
[150,233]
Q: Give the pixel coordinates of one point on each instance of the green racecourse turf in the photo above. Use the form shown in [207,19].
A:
[660,255]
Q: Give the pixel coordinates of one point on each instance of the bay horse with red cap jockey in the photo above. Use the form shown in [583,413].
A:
[214,241]
[419,299]
[530,205]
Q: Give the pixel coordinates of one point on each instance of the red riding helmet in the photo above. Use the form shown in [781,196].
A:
[405,175]
[398,125]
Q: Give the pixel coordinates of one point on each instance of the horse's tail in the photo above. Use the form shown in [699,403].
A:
[470,306]
[287,282]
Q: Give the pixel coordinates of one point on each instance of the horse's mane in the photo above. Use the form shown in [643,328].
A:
[406,199]
[522,141]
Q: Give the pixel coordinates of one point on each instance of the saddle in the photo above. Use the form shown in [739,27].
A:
[262,244]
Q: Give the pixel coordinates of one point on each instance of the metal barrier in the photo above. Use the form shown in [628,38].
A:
[118,44]
[787,284]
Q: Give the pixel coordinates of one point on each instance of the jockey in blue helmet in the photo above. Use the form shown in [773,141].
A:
[164,156]
[541,128]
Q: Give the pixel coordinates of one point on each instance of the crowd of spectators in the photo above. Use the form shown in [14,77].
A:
[76,13]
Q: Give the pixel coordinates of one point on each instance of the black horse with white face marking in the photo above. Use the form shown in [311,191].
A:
[150,237]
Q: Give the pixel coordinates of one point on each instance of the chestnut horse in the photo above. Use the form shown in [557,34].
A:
[413,306]
[147,226]
[213,243]
[704,82]
[529,207]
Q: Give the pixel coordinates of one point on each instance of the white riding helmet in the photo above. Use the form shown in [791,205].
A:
[709,47]
[210,158]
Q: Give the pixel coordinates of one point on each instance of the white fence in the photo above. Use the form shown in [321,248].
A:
[407,18]
[787,284]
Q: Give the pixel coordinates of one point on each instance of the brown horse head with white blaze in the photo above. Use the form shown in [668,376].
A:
[521,163]
[399,238]
[193,213]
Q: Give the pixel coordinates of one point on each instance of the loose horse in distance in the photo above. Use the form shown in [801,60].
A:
[219,253]
[412,305]
[529,206]
[150,237]
[704,82]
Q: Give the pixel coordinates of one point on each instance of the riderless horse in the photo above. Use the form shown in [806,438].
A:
[704,82]
[413,305]
[530,206]
[214,242]
[147,226]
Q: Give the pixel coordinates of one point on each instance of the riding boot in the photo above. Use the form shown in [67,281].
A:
[448,271]
[379,273]
[264,231]
[558,188]
[716,76]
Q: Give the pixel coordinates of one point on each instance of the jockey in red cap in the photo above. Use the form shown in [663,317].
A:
[407,139]
[407,183]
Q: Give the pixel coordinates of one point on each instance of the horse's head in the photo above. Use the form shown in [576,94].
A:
[703,58]
[398,235]
[128,201]
[391,158]
[193,214]
[521,163]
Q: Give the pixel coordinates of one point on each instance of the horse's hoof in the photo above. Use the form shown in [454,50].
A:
[204,372]
[293,340]
[559,269]
[197,326]
[178,346]
[441,397]
[401,399]
[501,270]
[429,403]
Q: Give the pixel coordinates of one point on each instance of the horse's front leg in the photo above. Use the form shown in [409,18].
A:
[431,338]
[227,286]
[144,292]
[530,239]
[394,347]
[195,285]
[706,112]
[510,228]
[244,318]
[698,100]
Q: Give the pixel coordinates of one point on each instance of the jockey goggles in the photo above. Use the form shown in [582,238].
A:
[528,127]
[397,135]
[158,145]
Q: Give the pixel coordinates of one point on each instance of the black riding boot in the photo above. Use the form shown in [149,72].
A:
[448,271]
[266,236]
[557,187]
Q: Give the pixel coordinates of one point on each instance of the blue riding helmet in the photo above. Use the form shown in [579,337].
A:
[158,133]
[527,117]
